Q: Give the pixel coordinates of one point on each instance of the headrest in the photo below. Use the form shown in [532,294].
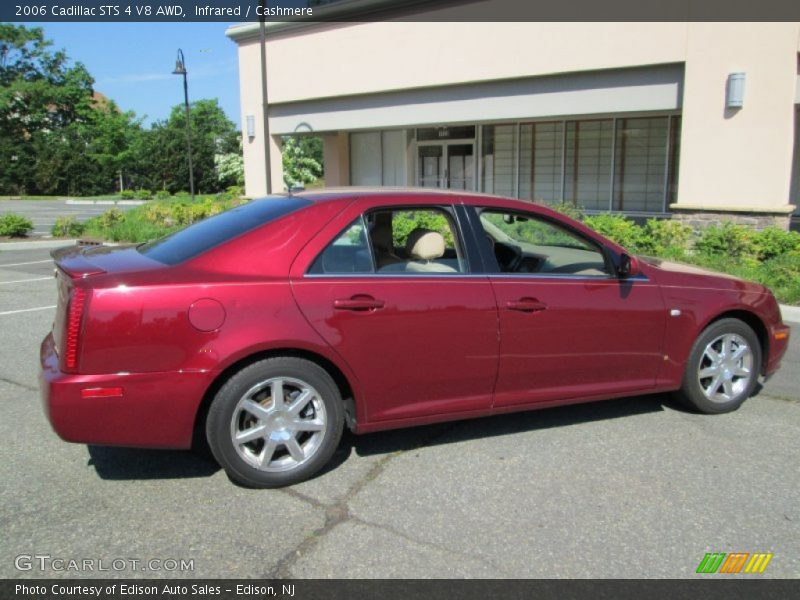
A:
[382,232]
[424,244]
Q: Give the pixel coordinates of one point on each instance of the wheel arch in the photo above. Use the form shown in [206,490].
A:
[754,322]
[337,374]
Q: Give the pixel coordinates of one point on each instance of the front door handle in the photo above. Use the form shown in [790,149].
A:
[358,302]
[526,305]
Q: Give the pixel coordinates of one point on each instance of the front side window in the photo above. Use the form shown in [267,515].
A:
[396,241]
[524,243]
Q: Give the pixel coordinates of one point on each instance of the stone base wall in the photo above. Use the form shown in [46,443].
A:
[699,219]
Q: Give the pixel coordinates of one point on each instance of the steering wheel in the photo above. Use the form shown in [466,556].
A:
[509,256]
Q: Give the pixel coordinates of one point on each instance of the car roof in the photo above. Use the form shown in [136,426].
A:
[351,193]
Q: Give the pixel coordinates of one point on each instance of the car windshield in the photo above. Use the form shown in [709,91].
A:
[204,235]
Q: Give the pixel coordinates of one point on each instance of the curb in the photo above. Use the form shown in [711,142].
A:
[107,202]
[33,245]
[790,314]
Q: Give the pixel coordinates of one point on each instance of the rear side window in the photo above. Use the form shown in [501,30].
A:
[396,241]
[204,235]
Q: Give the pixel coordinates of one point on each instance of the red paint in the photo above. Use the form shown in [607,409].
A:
[413,350]
[206,314]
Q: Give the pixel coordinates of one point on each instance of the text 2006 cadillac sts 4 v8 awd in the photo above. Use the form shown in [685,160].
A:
[273,325]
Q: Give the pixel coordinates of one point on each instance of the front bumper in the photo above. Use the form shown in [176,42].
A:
[154,410]
[778,343]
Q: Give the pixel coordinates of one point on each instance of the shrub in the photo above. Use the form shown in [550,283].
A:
[665,237]
[14,225]
[728,239]
[111,217]
[569,209]
[127,194]
[162,195]
[235,191]
[406,222]
[144,194]
[773,241]
[182,194]
[68,227]
[619,229]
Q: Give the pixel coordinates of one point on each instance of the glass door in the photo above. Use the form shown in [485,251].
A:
[431,171]
[461,166]
[446,165]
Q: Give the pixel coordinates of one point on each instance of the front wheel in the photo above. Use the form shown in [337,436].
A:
[275,422]
[723,367]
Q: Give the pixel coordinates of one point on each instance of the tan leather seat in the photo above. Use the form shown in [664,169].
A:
[424,247]
[383,241]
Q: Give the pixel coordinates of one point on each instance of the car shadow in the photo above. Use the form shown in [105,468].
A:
[386,442]
[114,463]
[137,463]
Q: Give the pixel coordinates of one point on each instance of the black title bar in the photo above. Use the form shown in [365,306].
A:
[403,10]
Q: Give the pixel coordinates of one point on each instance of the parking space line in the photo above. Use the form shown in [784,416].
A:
[33,262]
[24,310]
[26,280]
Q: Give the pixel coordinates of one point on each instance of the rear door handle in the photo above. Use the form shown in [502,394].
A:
[526,305]
[358,302]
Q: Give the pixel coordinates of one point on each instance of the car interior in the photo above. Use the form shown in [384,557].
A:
[526,245]
[423,241]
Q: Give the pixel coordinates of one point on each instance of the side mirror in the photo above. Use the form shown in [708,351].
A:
[627,266]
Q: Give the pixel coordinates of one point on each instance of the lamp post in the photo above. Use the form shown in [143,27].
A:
[264,100]
[180,69]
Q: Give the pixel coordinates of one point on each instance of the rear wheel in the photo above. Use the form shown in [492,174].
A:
[723,366]
[275,422]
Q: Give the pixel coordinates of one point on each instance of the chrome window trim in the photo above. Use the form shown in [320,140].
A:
[529,276]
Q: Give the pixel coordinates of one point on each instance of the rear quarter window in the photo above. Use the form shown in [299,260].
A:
[208,233]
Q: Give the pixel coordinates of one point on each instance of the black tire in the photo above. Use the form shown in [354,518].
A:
[239,459]
[694,390]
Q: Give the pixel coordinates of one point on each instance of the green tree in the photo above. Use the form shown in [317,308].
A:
[41,94]
[160,156]
[302,159]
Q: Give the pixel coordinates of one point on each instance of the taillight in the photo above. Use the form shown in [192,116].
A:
[74,317]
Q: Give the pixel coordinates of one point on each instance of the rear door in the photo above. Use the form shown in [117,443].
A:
[418,330]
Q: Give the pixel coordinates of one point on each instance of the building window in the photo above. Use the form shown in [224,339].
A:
[587,163]
[378,158]
[498,161]
[627,164]
[365,158]
[540,156]
[674,162]
[640,164]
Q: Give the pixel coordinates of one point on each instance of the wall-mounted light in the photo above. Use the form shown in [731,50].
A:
[734,96]
[251,126]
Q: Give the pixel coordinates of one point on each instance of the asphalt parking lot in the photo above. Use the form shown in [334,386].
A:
[625,488]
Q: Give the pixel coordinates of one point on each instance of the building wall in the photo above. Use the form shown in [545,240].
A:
[738,158]
[731,160]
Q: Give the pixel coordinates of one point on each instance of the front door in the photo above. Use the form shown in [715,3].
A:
[449,165]
[569,328]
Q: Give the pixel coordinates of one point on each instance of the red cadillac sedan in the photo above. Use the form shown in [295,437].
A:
[272,326]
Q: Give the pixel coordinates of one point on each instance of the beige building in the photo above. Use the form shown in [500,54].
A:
[692,120]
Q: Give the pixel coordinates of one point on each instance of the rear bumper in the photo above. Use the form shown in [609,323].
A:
[778,343]
[154,410]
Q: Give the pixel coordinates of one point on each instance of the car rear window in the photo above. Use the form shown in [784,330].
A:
[204,235]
